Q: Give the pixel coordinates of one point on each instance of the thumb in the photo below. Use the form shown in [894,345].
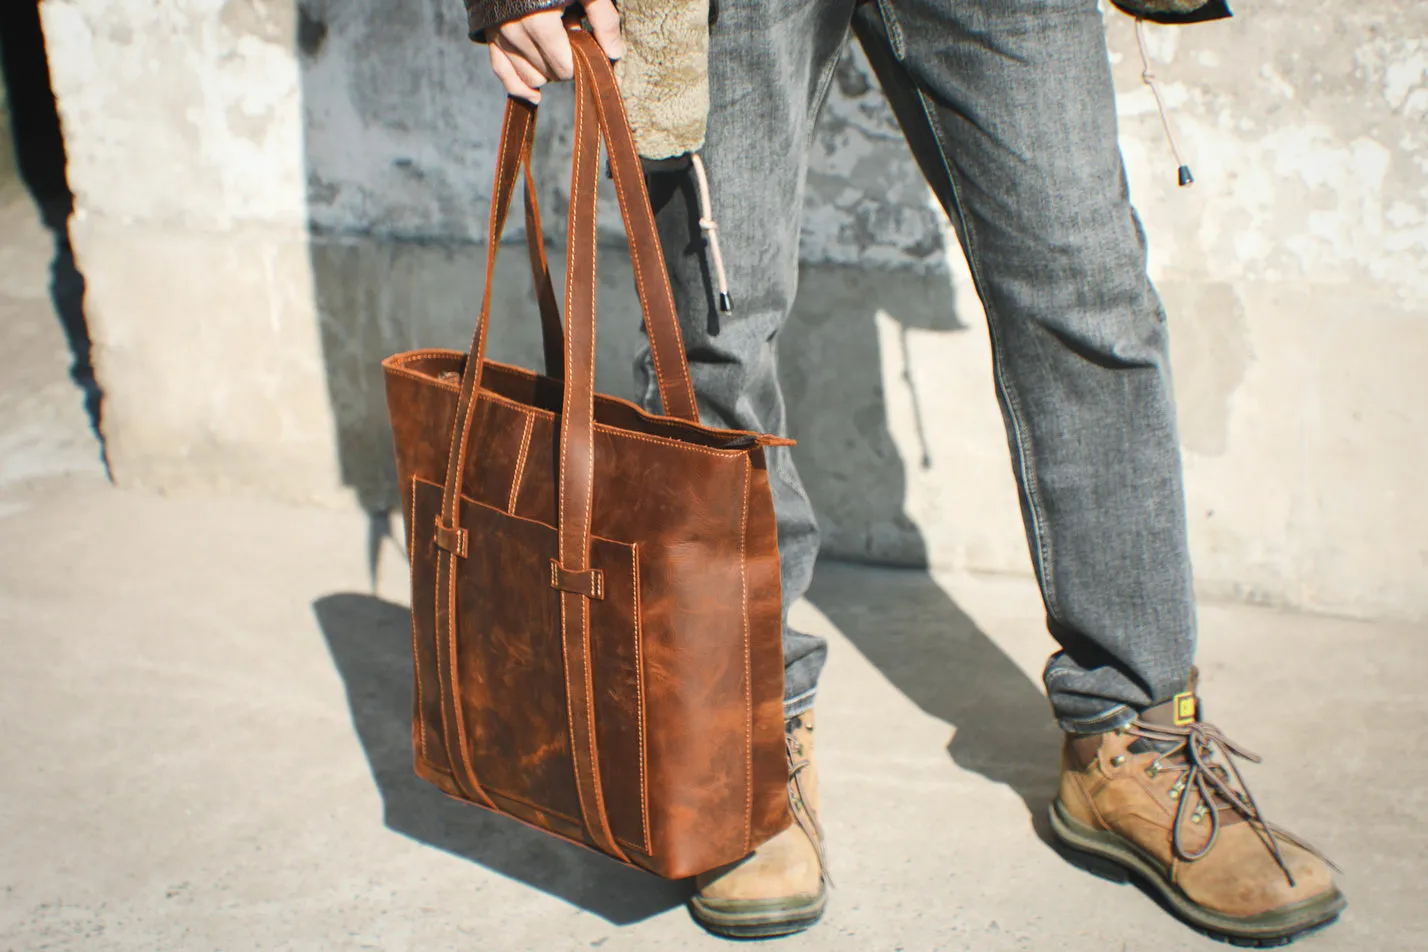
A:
[605,24]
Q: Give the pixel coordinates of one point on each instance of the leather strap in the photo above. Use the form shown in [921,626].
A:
[550,332]
[598,111]
[676,389]
[651,277]
[458,751]
[678,400]
[590,583]
[523,128]
[577,462]
[454,541]
[652,281]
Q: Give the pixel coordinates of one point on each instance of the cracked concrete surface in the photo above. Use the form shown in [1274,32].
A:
[206,708]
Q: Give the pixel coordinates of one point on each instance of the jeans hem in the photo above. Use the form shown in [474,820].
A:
[794,706]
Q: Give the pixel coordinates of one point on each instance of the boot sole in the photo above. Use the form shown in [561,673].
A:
[1112,857]
[753,919]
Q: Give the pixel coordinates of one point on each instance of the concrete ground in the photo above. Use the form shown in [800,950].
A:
[205,708]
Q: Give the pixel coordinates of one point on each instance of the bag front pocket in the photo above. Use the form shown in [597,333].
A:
[509,669]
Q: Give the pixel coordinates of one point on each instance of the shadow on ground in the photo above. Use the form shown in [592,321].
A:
[930,650]
[832,354]
[370,642]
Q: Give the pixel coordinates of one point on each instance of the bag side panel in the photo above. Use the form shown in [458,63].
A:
[697,666]
[428,717]
[769,799]
[421,410]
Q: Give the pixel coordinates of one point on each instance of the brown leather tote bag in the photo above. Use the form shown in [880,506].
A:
[595,590]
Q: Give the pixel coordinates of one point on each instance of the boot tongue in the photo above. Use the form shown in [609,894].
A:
[1180,711]
[1144,745]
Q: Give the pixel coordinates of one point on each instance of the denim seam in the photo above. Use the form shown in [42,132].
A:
[825,82]
[1042,544]
[894,30]
[793,706]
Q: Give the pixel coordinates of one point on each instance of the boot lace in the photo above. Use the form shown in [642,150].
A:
[1215,781]
[798,762]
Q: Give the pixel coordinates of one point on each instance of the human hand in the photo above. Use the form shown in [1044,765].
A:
[534,50]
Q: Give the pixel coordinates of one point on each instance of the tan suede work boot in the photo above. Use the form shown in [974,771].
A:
[1162,799]
[781,888]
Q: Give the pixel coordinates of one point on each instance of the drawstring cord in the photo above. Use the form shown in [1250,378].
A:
[711,233]
[1147,76]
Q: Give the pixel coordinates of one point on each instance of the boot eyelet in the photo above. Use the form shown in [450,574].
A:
[1152,771]
[1118,759]
[1174,793]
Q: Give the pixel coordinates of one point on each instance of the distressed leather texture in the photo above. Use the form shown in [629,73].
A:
[596,622]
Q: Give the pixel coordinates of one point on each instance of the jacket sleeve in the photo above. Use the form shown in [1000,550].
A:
[1175,11]
[483,15]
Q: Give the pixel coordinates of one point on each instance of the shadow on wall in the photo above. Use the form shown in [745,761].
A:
[400,132]
[40,155]
[908,627]
[401,121]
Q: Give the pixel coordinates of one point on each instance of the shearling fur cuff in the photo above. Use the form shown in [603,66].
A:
[664,75]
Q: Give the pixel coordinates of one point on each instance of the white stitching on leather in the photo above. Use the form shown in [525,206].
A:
[520,464]
[748,668]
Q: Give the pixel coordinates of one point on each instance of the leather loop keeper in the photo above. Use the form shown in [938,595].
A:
[452,540]
[590,583]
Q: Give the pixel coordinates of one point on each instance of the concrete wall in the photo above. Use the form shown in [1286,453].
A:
[271,197]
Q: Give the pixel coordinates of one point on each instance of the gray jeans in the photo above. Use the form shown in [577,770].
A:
[1009,108]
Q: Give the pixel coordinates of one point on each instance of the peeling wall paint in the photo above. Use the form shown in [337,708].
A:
[272,195]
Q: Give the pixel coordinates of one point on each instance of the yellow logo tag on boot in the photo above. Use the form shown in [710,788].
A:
[1185,709]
